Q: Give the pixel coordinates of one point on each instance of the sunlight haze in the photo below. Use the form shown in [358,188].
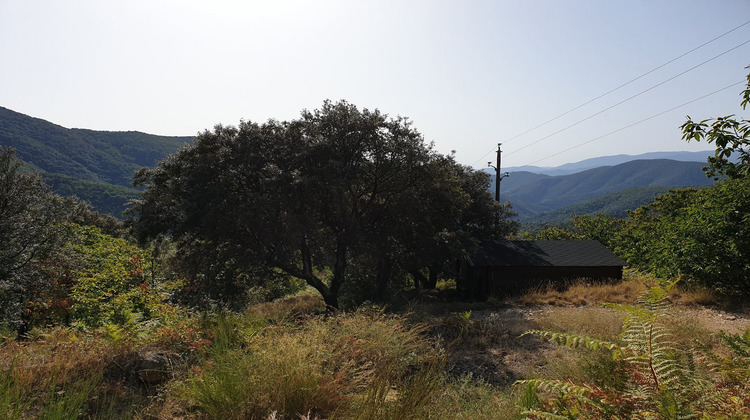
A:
[469,74]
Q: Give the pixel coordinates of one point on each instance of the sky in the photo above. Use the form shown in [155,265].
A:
[469,74]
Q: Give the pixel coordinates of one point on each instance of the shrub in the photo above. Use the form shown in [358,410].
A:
[114,282]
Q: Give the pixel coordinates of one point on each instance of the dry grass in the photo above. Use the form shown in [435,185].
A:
[60,373]
[597,322]
[583,292]
[320,365]
[290,360]
[287,309]
[694,297]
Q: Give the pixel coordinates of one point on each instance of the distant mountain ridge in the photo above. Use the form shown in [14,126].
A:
[570,168]
[106,160]
[98,166]
[534,195]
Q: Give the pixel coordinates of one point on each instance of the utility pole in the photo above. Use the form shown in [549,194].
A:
[498,177]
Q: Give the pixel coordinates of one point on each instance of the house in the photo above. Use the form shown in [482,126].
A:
[504,266]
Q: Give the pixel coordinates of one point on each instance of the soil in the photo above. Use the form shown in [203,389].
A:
[494,350]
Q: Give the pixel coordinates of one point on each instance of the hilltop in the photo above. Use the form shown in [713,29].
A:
[97,166]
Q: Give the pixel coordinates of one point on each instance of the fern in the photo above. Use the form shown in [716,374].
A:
[660,381]
[576,341]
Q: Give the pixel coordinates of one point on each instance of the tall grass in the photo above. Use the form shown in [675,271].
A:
[322,366]
[288,359]
[58,375]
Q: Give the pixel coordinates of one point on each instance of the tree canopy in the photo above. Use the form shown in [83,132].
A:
[730,135]
[339,195]
[30,229]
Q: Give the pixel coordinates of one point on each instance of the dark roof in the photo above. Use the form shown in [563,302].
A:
[544,253]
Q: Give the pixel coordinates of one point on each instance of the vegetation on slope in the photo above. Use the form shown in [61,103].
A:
[85,163]
[615,204]
[105,198]
[553,193]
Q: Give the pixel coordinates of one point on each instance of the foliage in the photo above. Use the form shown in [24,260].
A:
[731,138]
[95,166]
[702,236]
[31,229]
[699,235]
[339,191]
[114,282]
[551,234]
[661,381]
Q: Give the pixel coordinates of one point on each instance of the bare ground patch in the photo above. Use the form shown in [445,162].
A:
[489,345]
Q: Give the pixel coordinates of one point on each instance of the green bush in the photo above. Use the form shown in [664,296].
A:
[114,281]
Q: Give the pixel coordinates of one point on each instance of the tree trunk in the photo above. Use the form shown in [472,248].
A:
[432,281]
[384,269]
[339,273]
[419,279]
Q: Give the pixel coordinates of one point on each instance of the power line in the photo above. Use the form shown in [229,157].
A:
[634,124]
[617,88]
[628,82]
[628,99]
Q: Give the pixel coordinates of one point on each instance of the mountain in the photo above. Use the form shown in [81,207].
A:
[615,204]
[536,194]
[570,168]
[97,166]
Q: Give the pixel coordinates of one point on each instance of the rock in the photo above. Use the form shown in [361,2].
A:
[145,368]
[154,368]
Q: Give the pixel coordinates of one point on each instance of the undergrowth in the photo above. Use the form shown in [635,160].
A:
[290,359]
[646,373]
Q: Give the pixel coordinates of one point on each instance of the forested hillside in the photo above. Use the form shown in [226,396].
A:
[615,204]
[96,166]
[533,195]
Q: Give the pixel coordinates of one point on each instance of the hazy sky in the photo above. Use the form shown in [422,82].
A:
[469,74]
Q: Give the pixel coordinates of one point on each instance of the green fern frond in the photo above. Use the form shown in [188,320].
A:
[560,387]
[663,382]
[636,312]
[565,389]
[738,344]
[544,415]
[576,341]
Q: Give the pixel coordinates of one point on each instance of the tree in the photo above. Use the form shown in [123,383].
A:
[702,235]
[337,188]
[30,230]
[731,137]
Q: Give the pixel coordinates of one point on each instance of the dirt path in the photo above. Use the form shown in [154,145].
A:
[494,351]
[716,320]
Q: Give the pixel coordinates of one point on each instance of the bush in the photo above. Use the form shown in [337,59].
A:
[114,282]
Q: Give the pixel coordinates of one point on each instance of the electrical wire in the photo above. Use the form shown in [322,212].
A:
[633,124]
[628,99]
[616,88]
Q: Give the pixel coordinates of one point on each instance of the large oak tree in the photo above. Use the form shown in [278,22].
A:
[335,188]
